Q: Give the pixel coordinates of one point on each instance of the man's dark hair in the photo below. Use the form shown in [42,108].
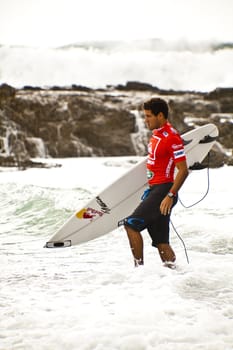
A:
[156,105]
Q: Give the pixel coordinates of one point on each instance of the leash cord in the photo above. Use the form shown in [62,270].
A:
[182,241]
[207,190]
[192,205]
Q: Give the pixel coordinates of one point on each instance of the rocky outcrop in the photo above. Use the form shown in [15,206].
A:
[78,121]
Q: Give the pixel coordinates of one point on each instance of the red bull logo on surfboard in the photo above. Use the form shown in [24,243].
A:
[88,213]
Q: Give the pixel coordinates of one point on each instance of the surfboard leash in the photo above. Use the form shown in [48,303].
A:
[207,190]
[182,241]
[192,205]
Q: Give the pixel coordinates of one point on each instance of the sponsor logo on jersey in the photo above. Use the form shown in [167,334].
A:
[151,162]
[168,168]
[150,174]
[179,154]
[149,148]
[174,130]
[175,146]
[165,133]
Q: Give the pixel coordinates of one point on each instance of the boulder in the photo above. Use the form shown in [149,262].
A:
[81,122]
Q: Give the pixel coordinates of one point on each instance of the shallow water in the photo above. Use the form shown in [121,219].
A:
[90,296]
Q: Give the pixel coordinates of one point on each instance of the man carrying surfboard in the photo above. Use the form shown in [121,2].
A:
[165,153]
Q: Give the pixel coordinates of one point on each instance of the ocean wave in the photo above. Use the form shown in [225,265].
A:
[152,44]
[149,45]
[35,210]
[178,66]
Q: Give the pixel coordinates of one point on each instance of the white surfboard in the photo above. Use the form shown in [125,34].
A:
[102,214]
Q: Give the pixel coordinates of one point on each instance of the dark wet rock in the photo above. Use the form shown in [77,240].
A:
[77,121]
[7,93]
[22,165]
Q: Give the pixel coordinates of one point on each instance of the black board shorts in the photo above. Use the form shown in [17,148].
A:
[148,216]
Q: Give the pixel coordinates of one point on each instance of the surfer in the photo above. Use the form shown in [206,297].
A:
[165,153]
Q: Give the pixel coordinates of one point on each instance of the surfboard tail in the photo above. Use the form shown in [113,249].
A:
[60,244]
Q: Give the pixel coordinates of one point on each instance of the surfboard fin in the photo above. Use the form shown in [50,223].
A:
[186,142]
[197,166]
[63,244]
[208,139]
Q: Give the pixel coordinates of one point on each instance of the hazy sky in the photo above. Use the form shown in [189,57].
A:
[59,22]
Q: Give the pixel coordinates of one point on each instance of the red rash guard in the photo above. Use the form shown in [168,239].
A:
[165,149]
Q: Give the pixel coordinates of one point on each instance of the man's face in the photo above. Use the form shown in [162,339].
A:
[152,121]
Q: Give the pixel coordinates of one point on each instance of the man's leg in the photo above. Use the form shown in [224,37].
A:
[136,244]
[167,254]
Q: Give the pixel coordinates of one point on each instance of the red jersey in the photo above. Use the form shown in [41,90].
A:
[165,149]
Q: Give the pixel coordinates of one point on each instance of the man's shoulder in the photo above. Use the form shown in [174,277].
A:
[171,129]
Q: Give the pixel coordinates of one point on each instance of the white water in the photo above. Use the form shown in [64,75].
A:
[90,297]
[167,65]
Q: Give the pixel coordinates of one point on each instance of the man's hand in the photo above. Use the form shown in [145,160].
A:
[166,205]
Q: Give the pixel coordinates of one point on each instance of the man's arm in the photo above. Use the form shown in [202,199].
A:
[181,175]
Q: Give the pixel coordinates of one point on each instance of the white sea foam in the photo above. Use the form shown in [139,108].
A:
[178,66]
[90,296]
